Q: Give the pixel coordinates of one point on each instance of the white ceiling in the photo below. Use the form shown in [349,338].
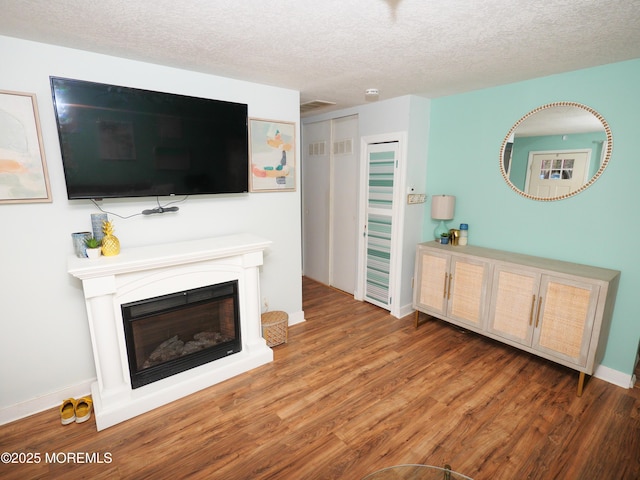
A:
[559,120]
[333,50]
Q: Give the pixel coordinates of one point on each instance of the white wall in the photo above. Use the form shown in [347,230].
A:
[419,114]
[408,114]
[46,351]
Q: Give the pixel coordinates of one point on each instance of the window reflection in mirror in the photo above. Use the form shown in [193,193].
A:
[555,151]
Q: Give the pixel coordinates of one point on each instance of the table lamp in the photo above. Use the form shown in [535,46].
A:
[442,207]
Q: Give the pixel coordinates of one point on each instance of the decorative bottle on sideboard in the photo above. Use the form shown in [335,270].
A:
[464,234]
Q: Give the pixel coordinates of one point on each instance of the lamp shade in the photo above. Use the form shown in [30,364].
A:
[442,207]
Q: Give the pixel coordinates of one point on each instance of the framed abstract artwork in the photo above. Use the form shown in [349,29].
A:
[272,160]
[23,168]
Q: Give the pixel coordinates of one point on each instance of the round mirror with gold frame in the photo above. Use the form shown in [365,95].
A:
[556,151]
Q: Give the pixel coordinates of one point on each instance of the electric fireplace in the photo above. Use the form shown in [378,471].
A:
[172,333]
[171,319]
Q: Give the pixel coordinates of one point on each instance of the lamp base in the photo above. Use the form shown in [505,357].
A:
[440,229]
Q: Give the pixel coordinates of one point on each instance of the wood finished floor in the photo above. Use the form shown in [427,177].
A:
[356,390]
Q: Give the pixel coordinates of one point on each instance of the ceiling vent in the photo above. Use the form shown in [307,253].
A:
[314,105]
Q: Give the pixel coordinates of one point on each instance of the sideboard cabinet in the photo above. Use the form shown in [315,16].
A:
[557,310]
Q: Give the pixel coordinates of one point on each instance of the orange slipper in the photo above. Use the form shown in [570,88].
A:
[84,406]
[68,411]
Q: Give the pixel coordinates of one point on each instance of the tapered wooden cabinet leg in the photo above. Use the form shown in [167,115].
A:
[417,317]
[580,384]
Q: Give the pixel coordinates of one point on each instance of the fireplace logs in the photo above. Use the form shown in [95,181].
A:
[174,347]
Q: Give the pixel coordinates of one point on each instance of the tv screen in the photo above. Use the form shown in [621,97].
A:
[127,142]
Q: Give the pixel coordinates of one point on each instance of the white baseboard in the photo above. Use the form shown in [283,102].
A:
[406,310]
[610,375]
[44,402]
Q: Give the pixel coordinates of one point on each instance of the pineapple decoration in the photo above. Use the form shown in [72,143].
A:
[110,243]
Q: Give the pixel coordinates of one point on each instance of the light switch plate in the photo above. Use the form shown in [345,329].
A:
[414,198]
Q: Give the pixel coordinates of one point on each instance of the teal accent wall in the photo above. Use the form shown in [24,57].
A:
[599,226]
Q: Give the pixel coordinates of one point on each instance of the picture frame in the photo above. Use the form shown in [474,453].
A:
[23,168]
[272,156]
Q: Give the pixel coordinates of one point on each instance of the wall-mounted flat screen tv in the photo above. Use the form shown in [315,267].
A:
[127,142]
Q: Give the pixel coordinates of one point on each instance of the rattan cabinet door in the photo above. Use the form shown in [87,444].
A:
[565,321]
[467,290]
[432,276]
[513,303]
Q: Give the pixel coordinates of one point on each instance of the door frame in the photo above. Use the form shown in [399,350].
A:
[397,214]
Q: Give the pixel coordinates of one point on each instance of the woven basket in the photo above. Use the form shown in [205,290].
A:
[275,327]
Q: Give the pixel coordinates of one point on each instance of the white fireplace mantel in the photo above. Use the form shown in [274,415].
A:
[146,272]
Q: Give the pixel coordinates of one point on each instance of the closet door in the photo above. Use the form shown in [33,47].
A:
[330,176]
[344,204]
[381,166]
[316,185]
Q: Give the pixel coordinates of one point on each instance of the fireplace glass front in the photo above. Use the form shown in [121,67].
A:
[173,333]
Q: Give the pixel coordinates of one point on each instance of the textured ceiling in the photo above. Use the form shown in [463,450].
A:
[333,50]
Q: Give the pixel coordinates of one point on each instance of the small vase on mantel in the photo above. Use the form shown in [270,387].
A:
[97,221]
[110,243]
